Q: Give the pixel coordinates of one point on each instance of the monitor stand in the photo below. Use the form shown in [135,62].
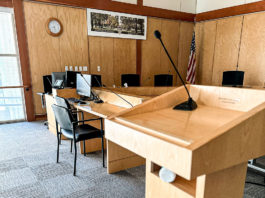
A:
[84,98]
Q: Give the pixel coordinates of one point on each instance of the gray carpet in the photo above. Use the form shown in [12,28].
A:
[28,169]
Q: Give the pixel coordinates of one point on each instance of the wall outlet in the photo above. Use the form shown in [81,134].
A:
[84,68]
[80,68]
[98,68]
[66,68]
[76,68]
[71,68]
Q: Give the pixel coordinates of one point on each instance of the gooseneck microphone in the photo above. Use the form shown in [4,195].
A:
[190,104]
[96,99]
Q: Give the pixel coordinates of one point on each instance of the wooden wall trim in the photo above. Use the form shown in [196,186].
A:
[140,2]
[6,3]
[24,57]
[124,8]
[231,11]
[138,57]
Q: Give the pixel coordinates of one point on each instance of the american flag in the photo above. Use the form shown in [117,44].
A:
[192,62]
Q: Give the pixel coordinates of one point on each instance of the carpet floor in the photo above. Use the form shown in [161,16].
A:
[28,169]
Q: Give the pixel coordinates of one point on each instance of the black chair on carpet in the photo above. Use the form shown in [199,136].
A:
[163,80]
[132,80]
[75,130]
[74,112]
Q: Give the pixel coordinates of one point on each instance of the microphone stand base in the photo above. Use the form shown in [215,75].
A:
[189,105]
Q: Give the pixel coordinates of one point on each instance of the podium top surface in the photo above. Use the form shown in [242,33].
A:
[218,107]
[182,127]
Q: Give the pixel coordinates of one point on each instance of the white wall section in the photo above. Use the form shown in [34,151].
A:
[165,4]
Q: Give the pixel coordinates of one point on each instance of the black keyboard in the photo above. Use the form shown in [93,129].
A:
[73,100]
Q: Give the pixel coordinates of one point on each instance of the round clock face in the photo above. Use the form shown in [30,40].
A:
[54,26]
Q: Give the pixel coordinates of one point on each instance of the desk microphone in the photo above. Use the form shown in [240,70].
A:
[190,104]
[112,91]
[96,98]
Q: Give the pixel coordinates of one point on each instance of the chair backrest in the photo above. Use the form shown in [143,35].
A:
[62,102]
[132,80]
[63,117]
[163,80]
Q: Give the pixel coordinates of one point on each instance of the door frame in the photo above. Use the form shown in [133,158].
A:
[19,20]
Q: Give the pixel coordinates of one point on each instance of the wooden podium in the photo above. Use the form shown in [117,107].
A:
[207,148]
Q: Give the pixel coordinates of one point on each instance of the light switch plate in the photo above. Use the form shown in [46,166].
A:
[98,68]
[84,68]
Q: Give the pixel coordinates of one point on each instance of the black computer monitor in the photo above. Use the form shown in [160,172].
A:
[163,80]
[47,84]
[132,80]
[58,76]
[96,80]
[233,78]
[70,78]
[83,85]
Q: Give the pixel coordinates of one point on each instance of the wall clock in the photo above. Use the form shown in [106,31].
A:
[54,27]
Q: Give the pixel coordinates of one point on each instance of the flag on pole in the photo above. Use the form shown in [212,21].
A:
[192,62]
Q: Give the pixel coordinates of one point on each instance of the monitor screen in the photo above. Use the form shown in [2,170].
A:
[233,78]
[57,76]
[83,85]
[47,84]
[70,79]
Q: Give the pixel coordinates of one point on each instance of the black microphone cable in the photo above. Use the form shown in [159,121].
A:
[112,91]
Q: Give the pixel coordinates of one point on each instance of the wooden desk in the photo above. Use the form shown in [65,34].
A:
[207,148]
[111,106]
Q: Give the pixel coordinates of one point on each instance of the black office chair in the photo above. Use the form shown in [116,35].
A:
[132,80]
[72,130]
[74,113]
[163,80]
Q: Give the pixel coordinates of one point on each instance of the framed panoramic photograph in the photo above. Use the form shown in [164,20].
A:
[114,24]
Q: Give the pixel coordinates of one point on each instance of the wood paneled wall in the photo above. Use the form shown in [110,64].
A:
[114,56]
[177,37]
[51,54]
[224,43]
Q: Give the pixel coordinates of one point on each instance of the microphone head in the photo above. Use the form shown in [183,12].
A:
[157,34]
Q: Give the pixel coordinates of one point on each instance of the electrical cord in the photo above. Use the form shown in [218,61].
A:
[112,91]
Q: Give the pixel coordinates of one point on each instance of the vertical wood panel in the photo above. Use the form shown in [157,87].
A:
[43,49]
[226,47]
[101,54]
[73,41]
[151,52]
[170,35]
[185,38]
[124,58]
[50,54]
[205,44]
[252,52]
[138,57]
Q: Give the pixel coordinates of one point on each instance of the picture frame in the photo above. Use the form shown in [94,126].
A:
[114,24]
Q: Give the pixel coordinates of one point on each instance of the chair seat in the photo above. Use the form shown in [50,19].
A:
[82,132]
